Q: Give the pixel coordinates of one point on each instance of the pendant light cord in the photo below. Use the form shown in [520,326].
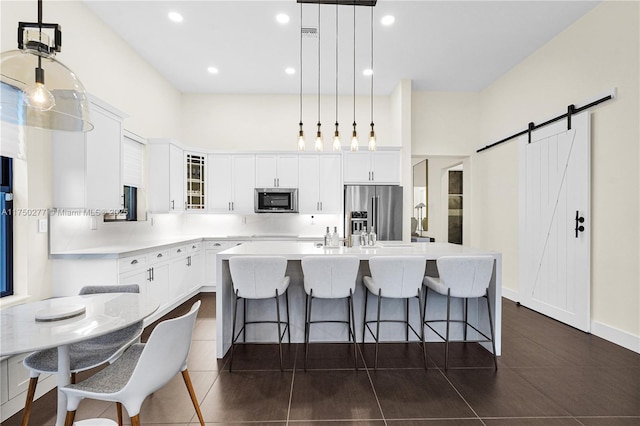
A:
[318,66]
[336,65]
[354,66]
[372,66]
[300,64]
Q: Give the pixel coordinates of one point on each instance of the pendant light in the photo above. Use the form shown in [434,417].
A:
[354,135]
[301,143]
[337,145]
[372,133]
[319,145]
[49,95]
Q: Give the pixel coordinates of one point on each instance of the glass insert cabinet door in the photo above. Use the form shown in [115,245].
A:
[195,191]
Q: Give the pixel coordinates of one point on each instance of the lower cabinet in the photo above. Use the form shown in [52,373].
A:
[212,248]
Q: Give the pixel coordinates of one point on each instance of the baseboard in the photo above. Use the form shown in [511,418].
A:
[617,336]
[510,294]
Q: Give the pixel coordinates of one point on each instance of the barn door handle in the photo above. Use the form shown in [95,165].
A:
[579,220]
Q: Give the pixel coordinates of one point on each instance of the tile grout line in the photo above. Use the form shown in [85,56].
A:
[373,387]
[459,394]
[293,378]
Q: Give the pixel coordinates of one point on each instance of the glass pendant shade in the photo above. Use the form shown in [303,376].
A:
[337,144]
[354,139]
[50,94]
[372,139]
[301,143]
[319,145]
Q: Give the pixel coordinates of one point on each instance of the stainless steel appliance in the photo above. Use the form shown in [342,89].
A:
[276,200]
[379,206]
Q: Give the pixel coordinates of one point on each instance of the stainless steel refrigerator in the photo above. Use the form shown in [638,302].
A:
[379,206]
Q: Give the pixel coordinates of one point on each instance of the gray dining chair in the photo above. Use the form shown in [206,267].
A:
[83,355]
[330,277]
[142,369]
[395,277]
[463,277]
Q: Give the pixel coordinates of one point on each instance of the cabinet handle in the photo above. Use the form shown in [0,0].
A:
[149,275]
[216,245]
[373,176]
[173,204]
[134,261]
[153,274]
[159,255]
[274,182]
[320,205]
[233,207]
[185,205]
[189,261]
[194,246]
[278,182]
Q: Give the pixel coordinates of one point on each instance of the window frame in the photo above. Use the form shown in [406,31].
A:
[6,226]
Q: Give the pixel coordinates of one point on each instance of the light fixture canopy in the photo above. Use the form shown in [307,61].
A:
[49,95]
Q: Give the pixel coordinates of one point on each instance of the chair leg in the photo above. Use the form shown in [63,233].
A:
[364,316]
[68,421]
[286,296]
[244,320]
[493,340]
[31,392]
[73,378]
[352,320]
[192,394]
[119,410]
[279,328]
[233,331]
[464,324]
[375,363]
[135,420]
[307,326]
[406,319]
[446,343]
[420,310]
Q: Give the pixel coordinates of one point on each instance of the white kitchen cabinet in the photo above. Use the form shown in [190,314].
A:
[231,183]
[320,183]
[372,167]
[166,176]
[86,166]
[276,171]
[195,178]
[132,160]
[211,249]
[186,273]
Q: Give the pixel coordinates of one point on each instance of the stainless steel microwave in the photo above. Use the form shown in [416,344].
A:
[276,200]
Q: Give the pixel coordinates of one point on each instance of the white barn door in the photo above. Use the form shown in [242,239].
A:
[555,185]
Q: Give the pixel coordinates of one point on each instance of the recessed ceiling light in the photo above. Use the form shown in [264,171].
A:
[387,20]
[175,17]
[212,70]
[282,18]
[368,72]
[290,70]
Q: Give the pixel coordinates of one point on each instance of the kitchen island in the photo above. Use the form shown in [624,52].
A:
[295,251]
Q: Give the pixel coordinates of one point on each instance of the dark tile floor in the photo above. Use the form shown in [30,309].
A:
[549,374]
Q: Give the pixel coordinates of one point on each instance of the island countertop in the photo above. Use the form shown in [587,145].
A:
[294,252]
[297,250]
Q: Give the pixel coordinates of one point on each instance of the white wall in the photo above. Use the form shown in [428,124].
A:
[270,122]
[599,52]
[92,51]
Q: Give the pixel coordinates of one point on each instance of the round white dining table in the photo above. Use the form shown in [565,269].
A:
[66,320]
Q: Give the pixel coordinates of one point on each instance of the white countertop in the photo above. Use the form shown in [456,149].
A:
[131,248]
[297,250]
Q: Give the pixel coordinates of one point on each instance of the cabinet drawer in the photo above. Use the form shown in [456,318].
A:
[159,255]
[178,251]
[18,376]
[132,263]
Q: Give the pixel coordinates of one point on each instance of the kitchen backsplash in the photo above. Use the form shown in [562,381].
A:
[75,232]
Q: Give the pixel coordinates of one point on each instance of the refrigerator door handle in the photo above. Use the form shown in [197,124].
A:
[377,225]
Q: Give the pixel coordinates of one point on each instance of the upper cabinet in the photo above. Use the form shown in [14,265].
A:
[132,160]
[372,167]
[320,183]
[231,182]
[276,171]
[195,181]
[86,166]
[166,176]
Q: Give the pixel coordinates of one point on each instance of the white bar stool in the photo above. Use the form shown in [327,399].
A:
[259,277]
[397,278]
[330,277]
[462,277]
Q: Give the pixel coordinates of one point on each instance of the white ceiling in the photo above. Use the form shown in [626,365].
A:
[440,45]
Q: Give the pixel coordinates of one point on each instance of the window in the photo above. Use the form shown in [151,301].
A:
[6,226]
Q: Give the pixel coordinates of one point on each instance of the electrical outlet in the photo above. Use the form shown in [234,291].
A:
[93,223]
[42,225]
